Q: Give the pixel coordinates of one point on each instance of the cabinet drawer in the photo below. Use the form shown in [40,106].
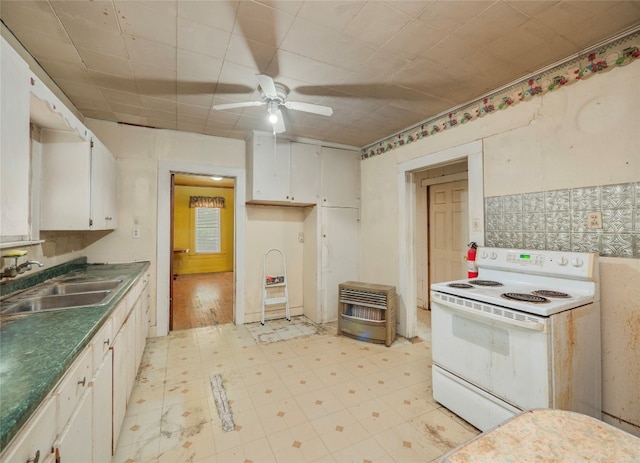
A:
[73,385]
[134,293]
[36,437]
[119,316]
[101,343]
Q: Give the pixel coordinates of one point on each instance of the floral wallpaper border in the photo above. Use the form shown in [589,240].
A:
[617,53]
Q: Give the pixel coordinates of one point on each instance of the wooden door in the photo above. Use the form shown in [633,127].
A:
[448,231]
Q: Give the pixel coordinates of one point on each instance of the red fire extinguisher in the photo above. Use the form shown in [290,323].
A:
[472,268]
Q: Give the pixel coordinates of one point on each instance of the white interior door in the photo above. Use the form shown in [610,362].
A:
[340,228]
[448,231]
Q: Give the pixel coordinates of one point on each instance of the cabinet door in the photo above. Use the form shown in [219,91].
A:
[103,187]
[101,411]
[141,332]
[304,181]
[121,370]
[75,441]
[14,143]
[73,386]
[36,438]
[340,233]
[66,182]
[269,163]
[340,177]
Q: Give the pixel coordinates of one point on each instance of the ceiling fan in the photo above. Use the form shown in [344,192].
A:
[274,95]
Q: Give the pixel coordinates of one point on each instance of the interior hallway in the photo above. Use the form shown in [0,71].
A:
[317,397]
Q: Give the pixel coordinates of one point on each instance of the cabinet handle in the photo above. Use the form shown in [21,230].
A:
[106,342]
[83,382]
[35,459]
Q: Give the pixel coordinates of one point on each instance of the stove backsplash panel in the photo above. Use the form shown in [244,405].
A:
[558,220]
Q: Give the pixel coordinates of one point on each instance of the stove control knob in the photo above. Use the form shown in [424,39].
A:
[577,262]
[563,261]
[483,254]
[494,256]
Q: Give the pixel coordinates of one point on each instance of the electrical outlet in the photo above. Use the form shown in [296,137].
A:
[475,225]
[594,220]
[135,232]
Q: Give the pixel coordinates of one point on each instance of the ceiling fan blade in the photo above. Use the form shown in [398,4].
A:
[238,105]
[267,86]
[308,107]
[279,127]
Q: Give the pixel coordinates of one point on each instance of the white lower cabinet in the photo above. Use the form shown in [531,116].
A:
[101,412]
[80,421]
[122,368]
[35,442]
[73,386]
[74,445]
[102,387]
[127,348]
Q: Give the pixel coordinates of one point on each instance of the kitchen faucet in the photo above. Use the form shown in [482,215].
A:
[15,269]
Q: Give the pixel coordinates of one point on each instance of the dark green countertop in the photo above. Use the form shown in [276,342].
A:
[37,348]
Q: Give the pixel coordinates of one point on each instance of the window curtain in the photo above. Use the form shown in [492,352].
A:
[206,201]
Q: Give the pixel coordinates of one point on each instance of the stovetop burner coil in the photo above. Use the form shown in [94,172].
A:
[485,283]
[526,298]
[550,293]
[460,285]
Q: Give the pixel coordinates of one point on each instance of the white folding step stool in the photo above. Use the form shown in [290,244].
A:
[274,281]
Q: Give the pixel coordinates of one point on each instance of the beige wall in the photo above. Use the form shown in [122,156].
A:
[581,135]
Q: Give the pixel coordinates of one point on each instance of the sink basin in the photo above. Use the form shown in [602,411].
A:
[50,289]
[84,287]
[64,301]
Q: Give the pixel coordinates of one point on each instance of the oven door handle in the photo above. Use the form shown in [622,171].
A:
[481,315]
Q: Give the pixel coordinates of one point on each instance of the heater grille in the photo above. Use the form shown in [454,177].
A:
[367,311]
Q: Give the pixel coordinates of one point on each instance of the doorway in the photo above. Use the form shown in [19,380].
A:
[202,237]
[164,246]
[411,235]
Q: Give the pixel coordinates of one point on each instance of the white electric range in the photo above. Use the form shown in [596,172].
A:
[524,334]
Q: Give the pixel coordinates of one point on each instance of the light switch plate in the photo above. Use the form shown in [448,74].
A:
[135,232]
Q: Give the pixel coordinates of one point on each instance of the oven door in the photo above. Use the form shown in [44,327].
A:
[503,352]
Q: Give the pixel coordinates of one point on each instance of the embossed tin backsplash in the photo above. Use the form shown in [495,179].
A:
[557,220]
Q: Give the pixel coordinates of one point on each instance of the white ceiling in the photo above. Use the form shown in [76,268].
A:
[382,66]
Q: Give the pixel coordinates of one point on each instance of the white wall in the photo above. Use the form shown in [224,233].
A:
[139,150]
[580,135]
[273,227]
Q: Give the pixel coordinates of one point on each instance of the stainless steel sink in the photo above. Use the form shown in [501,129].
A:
[61,294]
[73,288]
[51,302]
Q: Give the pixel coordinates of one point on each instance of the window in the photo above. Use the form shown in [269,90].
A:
[207,230]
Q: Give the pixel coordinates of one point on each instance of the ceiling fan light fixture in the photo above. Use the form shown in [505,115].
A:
[272,109]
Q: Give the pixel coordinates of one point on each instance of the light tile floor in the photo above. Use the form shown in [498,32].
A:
[298,393]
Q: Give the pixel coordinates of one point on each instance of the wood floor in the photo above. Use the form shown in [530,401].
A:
[202,300]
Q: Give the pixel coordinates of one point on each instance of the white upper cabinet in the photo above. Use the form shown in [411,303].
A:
[14,143]
[281,172]
[304,181]
[103,188]
[340,177]
[78,188]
